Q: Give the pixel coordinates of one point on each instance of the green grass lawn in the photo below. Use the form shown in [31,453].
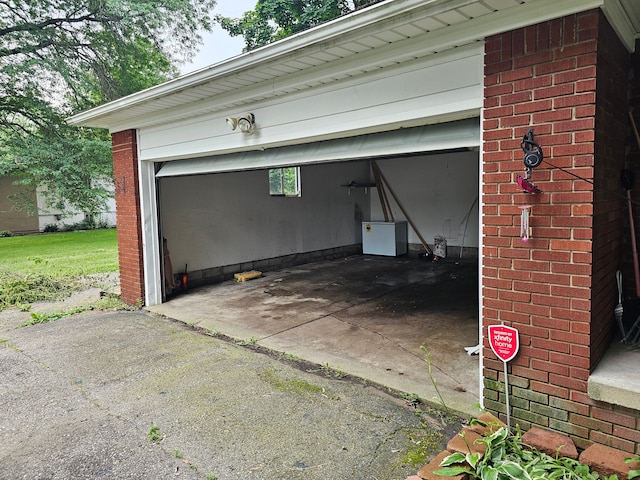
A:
[51,266]
[60,255]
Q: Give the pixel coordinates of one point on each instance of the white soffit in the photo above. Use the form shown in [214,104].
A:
[624,16]
[429,138]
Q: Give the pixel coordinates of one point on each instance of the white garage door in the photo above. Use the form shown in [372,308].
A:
[429,138]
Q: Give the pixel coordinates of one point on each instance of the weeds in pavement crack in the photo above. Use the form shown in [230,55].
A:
[433,381]
[154,434]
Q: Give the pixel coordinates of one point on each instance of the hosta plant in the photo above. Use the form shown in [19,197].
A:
[507,458]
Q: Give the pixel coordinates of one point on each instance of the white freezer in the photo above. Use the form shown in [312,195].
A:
[384,238]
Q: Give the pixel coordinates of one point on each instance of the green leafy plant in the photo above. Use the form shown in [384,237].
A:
[6,233]
[412,399]
[154,434]
[272,20]
[289,356]
[44,317]
[506,457]
[633,473]
[22,307]
[244,343]
[104,303]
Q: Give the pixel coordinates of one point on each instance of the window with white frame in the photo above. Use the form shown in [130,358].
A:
[284,182]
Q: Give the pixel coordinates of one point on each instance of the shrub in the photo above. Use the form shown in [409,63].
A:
[506,457]
[102,223]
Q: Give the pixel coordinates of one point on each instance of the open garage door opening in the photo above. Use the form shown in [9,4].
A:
[377,316]
[226,213]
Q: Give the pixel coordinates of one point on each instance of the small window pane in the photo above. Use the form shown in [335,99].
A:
[290,181]
[275,182]
[284,181]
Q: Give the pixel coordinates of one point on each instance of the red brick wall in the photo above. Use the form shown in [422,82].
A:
[558,289]
[608,212]
[128,216]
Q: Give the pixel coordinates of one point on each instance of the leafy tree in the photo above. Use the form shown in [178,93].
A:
[272,20]
[57,58]
[72,168]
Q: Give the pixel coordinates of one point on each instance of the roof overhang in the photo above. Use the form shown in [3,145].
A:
[384,34]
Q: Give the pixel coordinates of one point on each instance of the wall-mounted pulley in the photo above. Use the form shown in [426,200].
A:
[532,152]
[532,158]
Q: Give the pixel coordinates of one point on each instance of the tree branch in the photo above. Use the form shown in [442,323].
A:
[58,23]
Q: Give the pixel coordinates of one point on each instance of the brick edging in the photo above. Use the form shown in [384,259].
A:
[604,460]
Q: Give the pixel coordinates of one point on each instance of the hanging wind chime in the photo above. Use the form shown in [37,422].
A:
[525,228]
[532,158]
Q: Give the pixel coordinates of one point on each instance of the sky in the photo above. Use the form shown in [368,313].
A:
[219,45]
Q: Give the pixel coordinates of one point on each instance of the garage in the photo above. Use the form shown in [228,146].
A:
[374,122]
[321,296]
[394,84]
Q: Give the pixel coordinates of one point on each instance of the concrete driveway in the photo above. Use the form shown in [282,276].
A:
[80,398]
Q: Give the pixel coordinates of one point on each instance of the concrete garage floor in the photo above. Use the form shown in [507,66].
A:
[364,315]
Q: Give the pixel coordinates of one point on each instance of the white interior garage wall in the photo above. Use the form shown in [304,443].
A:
[230,218]
[438,192]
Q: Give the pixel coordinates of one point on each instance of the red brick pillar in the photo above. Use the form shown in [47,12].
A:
[128,216]
[546,76]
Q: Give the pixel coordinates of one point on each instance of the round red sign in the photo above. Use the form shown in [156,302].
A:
[504,341]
